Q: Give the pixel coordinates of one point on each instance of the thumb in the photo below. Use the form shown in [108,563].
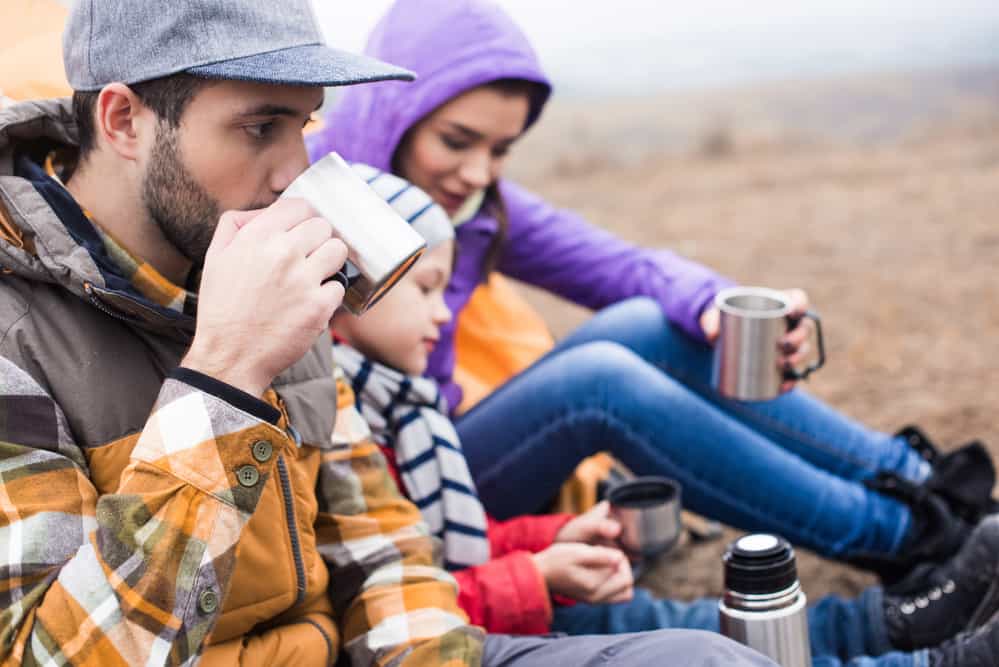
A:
[595,556]
[711,323]
[229,225]
[609,529]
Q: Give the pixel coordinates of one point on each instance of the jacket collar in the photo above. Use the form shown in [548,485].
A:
[58,243]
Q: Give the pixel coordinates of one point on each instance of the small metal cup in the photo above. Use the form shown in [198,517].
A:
[381,246]
[648,509]
[753,320]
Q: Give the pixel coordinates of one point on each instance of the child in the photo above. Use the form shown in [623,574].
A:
[509,571]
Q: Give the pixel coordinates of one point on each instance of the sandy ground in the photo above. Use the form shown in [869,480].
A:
[879,196]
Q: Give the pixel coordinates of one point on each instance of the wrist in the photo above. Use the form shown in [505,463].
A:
[203,359]
[541,565]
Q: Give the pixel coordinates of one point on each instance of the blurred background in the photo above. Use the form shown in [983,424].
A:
[844,146]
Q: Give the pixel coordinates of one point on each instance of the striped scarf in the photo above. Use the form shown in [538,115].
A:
[409,415]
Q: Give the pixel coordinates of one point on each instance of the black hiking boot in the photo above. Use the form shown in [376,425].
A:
[961,595]
[936,535]
[977,648]
[963,477]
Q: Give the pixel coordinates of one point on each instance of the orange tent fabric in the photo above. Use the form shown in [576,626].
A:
[31,50]
[499,334]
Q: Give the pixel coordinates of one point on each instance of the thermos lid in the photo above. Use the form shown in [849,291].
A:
[759,564]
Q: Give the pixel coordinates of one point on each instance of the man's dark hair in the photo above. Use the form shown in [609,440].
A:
[167,97]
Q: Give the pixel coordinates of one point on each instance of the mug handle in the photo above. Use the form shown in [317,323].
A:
[339,277]
[792,322]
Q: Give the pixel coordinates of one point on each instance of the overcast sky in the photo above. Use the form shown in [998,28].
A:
[633,46]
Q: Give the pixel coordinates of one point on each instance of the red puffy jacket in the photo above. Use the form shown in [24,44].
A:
[507,595]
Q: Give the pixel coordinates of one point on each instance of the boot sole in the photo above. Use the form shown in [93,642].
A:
[986,609]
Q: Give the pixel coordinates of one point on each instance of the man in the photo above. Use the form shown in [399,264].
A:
[173,489]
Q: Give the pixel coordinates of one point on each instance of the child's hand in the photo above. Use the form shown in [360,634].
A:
[595,575]
[594,526]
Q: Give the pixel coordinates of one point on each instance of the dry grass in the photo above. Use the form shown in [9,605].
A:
[894,233]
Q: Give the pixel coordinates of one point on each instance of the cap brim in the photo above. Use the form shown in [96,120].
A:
[311,65]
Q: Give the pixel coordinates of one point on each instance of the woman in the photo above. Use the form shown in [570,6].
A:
[633,380]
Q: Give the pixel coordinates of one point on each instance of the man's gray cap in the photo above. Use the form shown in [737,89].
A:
[268,41]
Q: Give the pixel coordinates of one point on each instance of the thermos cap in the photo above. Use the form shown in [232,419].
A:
[760,564]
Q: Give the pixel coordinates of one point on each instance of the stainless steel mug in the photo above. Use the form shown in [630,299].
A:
[381,246]
[763,606]
[648,509]
[753,320]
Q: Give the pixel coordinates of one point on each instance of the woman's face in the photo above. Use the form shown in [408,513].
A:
[461,147]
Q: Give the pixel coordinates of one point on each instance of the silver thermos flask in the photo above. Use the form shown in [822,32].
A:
[763,606]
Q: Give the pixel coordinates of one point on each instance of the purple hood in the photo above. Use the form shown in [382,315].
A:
[453,46]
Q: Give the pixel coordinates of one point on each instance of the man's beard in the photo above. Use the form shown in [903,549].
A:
[183,210]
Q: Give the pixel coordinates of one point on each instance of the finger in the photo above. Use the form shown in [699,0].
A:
[609,529]
[619,583]
[282,215]
[798,299]
[710,323]
[600,510]
[800,355]
[333,297]
[229,225]
[327,259]
[799,334]
[597,556]
[623,596]
[307,237]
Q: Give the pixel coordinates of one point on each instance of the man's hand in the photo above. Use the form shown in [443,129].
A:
[595,575]
[595,526]
[263,301]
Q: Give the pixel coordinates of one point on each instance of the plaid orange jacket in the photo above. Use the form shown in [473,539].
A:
[140,575]
[150,515]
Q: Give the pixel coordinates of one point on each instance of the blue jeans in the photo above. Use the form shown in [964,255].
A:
[629,383]
[842,632]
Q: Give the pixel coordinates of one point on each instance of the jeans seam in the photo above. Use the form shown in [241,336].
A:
[765,421]
[605,418]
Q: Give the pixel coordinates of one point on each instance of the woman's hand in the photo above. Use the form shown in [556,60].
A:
[595,575]
[793,346]
[594,527]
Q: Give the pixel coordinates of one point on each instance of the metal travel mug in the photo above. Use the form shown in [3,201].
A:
[763,606]
[381,246]
[753,320]
[648,509]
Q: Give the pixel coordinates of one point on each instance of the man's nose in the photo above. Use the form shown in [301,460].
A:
[288,168]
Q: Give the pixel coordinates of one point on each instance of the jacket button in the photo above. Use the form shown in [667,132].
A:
[248,476]
[262,451]
[208,602]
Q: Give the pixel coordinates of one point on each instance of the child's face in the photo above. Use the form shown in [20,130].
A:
[401,330]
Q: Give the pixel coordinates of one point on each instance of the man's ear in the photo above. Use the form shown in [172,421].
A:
[121,119]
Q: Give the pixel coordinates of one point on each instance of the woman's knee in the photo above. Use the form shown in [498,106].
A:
[637,314]
[603,362]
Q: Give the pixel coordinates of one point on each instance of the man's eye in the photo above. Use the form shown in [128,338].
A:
[501,151]
[260,130]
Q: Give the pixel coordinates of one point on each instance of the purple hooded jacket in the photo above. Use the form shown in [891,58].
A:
[456,45]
